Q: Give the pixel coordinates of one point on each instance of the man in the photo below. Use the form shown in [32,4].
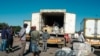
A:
[10,39]
[35,35]
[30,49]
[67,38]
[45,36]
[81,38]
[4,38]
[22,35]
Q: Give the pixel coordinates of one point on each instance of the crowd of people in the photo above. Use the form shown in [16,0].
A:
[7,39]
[7,34]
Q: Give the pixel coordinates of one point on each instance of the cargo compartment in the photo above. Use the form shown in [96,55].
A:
[51,18]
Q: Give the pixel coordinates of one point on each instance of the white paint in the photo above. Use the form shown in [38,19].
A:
[35,20]
[70,23]
[90,28]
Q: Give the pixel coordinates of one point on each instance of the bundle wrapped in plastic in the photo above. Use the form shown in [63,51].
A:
[61,30]
[82,48]
[55,29]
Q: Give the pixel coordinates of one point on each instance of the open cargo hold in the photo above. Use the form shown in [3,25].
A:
[92,31]
[48,17]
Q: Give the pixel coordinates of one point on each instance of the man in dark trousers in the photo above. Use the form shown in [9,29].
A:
[45,36]
[10,39]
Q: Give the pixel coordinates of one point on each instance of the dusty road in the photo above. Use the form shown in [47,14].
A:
[50,52]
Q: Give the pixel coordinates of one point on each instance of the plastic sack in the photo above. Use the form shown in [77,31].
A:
[63,52]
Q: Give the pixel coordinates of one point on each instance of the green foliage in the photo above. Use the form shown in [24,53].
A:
[15,28]
[3,24]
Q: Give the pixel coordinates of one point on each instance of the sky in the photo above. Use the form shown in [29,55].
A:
[14,12]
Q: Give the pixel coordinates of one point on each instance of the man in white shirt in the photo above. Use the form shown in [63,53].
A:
[22,35]
[81,37]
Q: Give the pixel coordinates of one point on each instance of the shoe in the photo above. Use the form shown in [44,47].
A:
[7,51]
[39,51]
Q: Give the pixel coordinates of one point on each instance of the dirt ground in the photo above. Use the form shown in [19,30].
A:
[50,52]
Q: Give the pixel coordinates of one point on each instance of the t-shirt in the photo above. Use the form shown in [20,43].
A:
[35,35]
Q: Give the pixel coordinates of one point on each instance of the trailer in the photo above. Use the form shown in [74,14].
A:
[91,29]
[47,17]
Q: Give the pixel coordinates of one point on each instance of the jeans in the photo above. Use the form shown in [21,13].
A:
[44,45]
[3,44]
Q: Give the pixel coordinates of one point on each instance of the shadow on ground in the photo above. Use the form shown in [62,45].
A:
[15,48]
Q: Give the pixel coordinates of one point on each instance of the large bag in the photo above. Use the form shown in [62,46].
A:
[63,52]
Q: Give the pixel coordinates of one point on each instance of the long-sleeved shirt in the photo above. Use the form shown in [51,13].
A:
[4,34]
[45,36]
[81,38]
[22,33]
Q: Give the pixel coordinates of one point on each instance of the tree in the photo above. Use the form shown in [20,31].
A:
[3,24]
[16,28]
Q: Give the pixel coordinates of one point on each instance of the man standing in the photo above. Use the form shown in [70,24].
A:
[45,36]
[4,38]
[35,36]
[81,37]
[10,38]
[22,35]
[10,33]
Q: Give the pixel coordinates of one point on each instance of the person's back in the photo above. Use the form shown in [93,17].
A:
[35,36]
[45,36]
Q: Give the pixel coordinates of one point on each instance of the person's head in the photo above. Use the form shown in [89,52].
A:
[45,30]
[25,25]
[33,28]
[79,33]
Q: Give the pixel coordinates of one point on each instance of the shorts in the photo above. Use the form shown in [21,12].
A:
[34,47]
